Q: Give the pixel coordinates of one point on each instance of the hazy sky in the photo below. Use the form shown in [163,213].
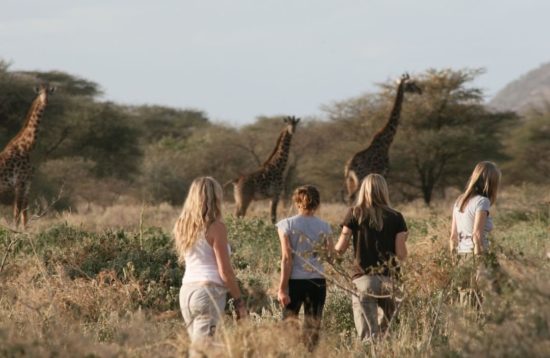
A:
[237,59]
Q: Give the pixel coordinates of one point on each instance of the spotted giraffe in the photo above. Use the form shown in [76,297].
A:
[267,181]
[15,167]
[375,158]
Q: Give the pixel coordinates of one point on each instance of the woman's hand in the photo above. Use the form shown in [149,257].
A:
[453,239]
[240,309]
[286,268]
[283,297]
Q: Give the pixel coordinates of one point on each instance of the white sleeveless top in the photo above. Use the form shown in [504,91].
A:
[200,263]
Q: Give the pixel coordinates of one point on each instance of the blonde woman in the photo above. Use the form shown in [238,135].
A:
[471,221]
[302,276]
[378,234]
[201,242]
[471,224]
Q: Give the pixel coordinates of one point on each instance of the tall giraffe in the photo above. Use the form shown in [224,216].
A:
[15,167]
[375,158]
[267,181]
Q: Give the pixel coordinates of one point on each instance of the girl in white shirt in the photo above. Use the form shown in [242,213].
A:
[470,227]
[201,242]
[471,221]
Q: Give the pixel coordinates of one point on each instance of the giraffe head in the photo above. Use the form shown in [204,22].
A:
[291,122]
[43,90]
[409,85]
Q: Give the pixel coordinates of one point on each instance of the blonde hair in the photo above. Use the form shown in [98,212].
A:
[372,200]
[201,208]
[484,181]
[307,197]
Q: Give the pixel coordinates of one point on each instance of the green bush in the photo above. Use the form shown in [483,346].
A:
[146,258]
[338,313]
[255,244]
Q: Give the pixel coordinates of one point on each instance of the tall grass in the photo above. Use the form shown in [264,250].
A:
[71,289]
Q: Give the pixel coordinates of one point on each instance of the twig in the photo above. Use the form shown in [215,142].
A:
[48,208]
[394,314]
[333,280]
[62,137]
[436,317]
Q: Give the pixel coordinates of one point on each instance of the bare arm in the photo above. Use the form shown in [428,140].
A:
[401,245]
[453,239]
[329,247]
[286,268]
[343,241]
[479,226]
[217,232]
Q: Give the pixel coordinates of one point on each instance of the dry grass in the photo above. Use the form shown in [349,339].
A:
[45,310]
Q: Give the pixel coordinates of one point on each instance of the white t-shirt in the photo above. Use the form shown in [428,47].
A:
[465,223]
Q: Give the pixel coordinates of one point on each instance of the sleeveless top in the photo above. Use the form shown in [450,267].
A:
[200,263]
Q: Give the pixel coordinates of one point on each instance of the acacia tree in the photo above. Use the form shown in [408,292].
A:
[444,133]
[441,135]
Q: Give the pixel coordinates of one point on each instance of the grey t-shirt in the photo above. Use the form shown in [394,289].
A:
[465,223]
[306,233]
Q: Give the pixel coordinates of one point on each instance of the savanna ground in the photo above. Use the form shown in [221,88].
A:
[104,282]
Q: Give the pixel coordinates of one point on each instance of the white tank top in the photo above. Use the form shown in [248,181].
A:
[200,263]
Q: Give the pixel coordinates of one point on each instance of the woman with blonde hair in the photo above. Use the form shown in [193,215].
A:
[471,221]
[378,234]
[470,226]
[201,242]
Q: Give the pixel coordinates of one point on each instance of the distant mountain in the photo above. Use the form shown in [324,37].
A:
[531,90]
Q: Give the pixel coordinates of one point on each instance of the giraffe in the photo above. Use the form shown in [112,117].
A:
[15,167]
[267,181]
[375,158]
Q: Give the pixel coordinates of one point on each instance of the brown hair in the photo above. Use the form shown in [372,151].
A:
[484,181]
[372,200]
[307,197]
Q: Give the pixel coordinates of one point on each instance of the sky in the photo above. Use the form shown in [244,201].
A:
[239,59]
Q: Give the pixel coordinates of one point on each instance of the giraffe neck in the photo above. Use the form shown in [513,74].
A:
[26,138]
[279,156]
[385,136]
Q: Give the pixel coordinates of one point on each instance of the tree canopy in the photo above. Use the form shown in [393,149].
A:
[153,152]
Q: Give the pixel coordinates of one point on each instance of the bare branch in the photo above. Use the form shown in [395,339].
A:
[62,137]
[251,151]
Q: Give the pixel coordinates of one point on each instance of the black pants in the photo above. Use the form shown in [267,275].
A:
[312,294]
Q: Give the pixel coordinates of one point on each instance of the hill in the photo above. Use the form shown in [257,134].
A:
[531,90]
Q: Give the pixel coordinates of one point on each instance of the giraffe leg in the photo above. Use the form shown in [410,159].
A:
[17,204]
[25,204]
[274,203]
[242,206]
[243,197]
